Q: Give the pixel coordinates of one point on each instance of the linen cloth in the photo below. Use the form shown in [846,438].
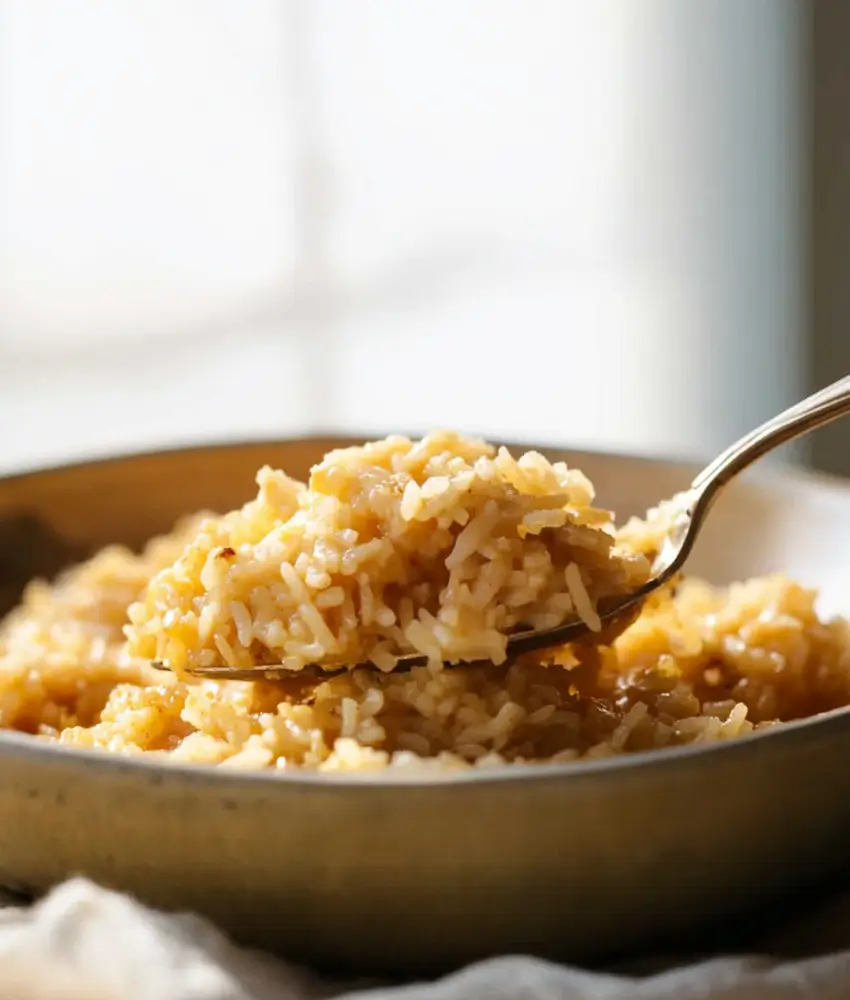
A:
[82,942]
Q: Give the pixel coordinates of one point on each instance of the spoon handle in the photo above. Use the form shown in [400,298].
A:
[815,411]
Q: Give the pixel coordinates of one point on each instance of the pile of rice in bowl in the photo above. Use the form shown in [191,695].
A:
[438,547]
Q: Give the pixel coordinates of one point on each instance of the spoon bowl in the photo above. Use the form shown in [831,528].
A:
[684,514]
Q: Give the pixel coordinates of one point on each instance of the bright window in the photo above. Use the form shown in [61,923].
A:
[534,218]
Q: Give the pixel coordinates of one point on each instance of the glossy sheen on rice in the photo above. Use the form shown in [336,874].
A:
[699,664]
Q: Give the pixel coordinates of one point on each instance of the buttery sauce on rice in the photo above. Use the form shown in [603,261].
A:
[439,547]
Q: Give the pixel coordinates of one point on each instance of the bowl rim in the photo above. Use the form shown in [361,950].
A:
[160,771]
[784,471]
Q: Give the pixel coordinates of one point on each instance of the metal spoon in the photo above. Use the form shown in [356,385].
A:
[815,411]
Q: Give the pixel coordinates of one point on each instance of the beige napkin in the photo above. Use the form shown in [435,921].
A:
[84,943]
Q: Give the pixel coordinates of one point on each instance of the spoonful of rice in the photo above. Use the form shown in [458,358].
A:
[443,551]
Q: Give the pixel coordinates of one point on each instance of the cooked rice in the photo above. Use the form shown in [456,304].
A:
[439,547]
[699,664]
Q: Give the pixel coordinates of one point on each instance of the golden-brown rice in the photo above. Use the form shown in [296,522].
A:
[438,547]
[698,664]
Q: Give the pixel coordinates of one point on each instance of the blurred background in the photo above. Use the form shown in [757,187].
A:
[618,224]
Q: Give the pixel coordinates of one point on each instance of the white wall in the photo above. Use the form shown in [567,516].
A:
[535,218]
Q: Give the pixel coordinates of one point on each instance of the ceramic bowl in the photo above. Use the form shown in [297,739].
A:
[572,861]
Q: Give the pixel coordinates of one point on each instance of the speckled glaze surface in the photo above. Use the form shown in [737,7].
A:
[570,861]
